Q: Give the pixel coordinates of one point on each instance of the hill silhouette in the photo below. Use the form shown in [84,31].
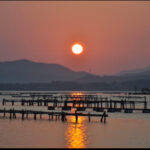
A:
[25,71]
[60,77]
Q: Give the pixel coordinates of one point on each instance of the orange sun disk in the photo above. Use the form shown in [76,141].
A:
[77,49]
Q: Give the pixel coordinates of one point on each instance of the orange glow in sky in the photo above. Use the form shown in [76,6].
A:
[114,36]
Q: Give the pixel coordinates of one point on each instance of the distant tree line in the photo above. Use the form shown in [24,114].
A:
[141,85]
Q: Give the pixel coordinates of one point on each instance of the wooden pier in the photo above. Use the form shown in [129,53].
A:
[66,102]
[81,104]
[51,115]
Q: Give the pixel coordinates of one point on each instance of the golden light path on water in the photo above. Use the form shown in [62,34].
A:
[76,136]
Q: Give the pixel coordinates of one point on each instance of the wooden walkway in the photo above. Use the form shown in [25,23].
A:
[67,102]
[52,115]
[81,105]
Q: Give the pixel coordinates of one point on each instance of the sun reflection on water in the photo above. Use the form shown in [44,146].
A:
[77,95]
[76,136]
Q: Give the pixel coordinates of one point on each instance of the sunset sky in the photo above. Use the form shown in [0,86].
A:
[115,35]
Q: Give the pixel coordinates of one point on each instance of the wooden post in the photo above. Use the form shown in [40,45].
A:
[76,115]
[95,103]
[123,105]
[89,116]
[110,104]
[22,114]
[130,105]
[133,105]
[40,115]
[14,115]
[49,116]
[59,117]
[54,104]
[145,104]
[3,102]
[44,102]
[83,103]
[107,104]
[65,117]
[115,105]
[73,104]
[104,116]
[27,114]
[4,112]
[65,103]
[101,104]
[78,103]
[34,116]
[62,116]
[52,115]
[10,114]
[22,102]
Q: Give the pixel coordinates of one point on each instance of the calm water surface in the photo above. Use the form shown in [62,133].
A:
[120,131]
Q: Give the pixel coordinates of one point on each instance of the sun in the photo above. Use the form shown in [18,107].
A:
[77,49]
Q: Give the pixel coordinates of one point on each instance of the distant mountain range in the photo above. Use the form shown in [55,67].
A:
[26,71]
[135,71]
